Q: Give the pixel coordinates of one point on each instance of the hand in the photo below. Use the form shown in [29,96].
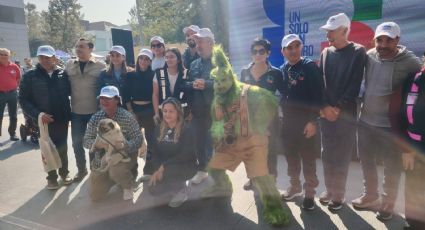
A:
[156,119]
[408,160]
[47,118]
[156,176]
[199,84]
[330,113]
[310,129]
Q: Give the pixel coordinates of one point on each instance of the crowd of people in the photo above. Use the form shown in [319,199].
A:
[165,103]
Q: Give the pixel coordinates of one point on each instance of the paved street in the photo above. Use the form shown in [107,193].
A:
[25,203]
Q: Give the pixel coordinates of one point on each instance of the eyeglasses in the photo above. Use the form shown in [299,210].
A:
[260,51]
[4,55]
[158,45]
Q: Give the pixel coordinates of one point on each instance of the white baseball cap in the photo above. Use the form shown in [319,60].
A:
[288,39]
[146,52]
[336,21]
[194,28]
[118,49]
[158,39]
[47,51]
[204,33]
[109,91]
[390,29]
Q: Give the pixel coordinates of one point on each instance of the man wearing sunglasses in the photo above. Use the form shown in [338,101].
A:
[304,86]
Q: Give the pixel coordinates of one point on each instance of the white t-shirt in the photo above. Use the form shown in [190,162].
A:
[171,78]
[158,63]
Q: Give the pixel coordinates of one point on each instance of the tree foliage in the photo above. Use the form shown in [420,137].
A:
[166,18]
[35,23]
[62,23]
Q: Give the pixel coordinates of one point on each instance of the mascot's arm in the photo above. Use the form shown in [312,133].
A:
[217,126]
[262,107]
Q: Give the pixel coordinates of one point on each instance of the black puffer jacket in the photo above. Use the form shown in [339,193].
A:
[41,93]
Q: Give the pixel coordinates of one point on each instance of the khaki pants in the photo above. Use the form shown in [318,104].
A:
[101,182]
[252,151]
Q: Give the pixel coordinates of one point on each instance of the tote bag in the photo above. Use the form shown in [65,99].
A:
[49,154]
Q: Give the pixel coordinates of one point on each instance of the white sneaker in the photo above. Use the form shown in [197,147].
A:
[127,194]
[199,177]
[178,199]
[145,178]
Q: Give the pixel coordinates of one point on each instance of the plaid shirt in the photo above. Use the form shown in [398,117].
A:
[129,127]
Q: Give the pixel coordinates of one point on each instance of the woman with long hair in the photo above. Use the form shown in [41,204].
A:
[169,81]
[115,72]
[174,154]
[137,97]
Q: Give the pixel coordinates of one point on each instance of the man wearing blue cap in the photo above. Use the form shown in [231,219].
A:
[44,91]
[118,173]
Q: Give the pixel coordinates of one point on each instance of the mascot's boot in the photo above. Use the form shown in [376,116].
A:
[222,185]
[273,212]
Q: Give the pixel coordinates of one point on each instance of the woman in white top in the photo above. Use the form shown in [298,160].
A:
[158,50]
[169,81]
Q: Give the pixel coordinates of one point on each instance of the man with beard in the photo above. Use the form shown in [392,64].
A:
[387,67]
[190,53]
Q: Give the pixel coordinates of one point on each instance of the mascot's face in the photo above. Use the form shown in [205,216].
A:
[222,82]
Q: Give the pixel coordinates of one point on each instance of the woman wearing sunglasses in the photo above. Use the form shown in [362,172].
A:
[174,154]
[158,50]
[261,73]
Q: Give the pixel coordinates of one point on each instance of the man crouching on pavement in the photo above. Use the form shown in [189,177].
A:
[119,173]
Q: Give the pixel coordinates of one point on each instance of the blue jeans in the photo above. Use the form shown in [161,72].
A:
[338,139]
[78,129]
[377,143]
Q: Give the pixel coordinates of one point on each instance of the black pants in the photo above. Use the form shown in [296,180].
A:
[203,141]
[338,140]
[299,152]
[58,132]
[144,116]
[173,179]
[11,100]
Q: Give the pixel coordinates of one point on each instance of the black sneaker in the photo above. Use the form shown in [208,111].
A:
[52,185]
[80,175]
[291,193]
[334,205]
[308,204]
[14,138]
[385,212]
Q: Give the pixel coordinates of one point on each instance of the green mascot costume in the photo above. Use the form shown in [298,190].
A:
[241,115]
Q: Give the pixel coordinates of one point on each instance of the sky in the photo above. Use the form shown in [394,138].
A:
[113,11]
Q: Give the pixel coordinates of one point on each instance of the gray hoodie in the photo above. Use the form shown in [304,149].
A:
[382,78]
